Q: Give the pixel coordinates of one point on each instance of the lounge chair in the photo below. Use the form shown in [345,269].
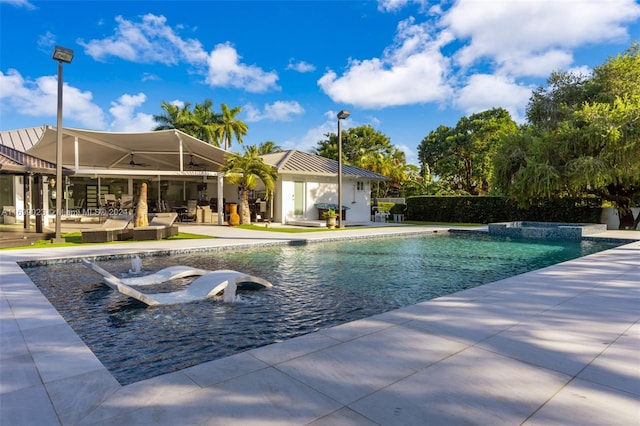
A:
[115,228]
[208,284]
[126,202]
[190,214]
[110,201]
[161,226]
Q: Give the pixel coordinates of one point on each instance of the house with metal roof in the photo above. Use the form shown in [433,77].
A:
[21,178]
[307,184]
[179,168]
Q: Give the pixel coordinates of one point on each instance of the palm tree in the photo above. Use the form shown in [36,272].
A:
[205,123]
[245,171]
[268,147]
[174,117]
[230,127]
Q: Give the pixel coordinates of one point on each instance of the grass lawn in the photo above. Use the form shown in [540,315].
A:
[75,239]
[298,230]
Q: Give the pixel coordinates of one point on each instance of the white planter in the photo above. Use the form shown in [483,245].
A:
[610,217]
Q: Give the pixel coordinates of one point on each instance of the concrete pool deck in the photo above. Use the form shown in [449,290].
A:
[560,345]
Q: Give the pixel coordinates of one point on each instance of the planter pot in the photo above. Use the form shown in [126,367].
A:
[234,217]
[331,222]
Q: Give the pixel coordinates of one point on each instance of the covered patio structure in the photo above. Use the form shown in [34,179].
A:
[109,169]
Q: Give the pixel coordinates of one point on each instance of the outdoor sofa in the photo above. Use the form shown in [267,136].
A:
[161,226]
[115,228]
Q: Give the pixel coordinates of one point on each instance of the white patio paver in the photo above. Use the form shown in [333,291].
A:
[555,346]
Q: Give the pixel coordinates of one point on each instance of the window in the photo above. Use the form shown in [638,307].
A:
[360,186]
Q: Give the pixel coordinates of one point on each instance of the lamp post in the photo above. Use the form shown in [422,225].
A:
[61,55]
[341,116]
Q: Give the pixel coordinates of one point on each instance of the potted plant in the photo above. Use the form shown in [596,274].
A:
[330,216]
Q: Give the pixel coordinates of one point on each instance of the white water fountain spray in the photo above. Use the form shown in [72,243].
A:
[136,265]
[229,295]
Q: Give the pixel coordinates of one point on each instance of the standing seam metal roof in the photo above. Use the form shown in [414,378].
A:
[21,139]
[14,161]
[299,162]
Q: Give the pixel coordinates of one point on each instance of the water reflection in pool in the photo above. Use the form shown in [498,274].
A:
[315,286]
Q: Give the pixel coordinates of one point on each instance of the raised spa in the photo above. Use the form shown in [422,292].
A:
[545,230]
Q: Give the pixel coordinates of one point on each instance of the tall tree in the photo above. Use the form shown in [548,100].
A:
[461,156]
[268,147]
[246,171]
[553,103]
[356,141]
[230,127]
[368,149]
[174,117]
[204,123]
[594,149]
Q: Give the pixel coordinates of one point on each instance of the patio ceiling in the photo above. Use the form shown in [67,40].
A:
[160,151]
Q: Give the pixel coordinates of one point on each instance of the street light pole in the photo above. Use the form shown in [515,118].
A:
[61,55]
[341,116]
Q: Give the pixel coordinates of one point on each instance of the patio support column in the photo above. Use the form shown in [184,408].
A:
[38,193]
[76,154]
[220,199]
[26,216]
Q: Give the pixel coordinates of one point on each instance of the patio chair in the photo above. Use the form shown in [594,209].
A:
[191,213]
[115,228]
[161,227]
[126,202]
[110,201]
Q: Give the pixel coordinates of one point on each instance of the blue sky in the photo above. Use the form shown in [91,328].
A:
[402,66]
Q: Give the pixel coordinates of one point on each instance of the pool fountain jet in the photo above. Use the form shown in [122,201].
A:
[136,265]
[208,284]
[229,295]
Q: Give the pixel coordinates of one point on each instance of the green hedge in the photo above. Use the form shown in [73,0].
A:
[470,209]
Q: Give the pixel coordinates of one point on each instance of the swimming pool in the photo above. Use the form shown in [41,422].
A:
[316,286]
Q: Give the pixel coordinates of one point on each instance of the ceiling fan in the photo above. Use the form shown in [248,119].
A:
[193,163]
[132,163]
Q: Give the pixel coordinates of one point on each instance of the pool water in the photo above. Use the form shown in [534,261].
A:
[315,286]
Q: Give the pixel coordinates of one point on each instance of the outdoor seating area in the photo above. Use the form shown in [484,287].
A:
[188,213]
[161,226]
[324,207]
[115,228]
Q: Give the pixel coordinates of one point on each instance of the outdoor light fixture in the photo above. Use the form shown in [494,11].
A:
[60,54]
[63,54]
[341,116]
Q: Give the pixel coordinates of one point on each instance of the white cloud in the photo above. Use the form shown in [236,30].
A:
[411,71]
[484,91]
[153,41]
[47,40]
[226,70]
[536,65]
[507,31]
[19,3]
[150,77]
[125,119]
[391,5]
[301,66]
[410,155]
[149,41]
[318,133]
[277,111]
[396,5]
[39,98]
